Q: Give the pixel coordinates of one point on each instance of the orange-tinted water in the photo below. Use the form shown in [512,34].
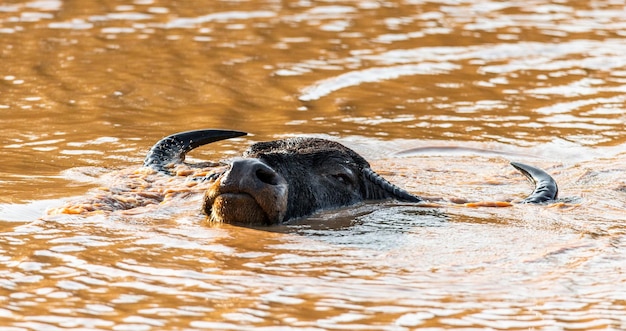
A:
[439,96]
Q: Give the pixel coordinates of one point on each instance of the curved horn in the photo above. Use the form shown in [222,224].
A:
[389,190]
[173,148]
[545,186]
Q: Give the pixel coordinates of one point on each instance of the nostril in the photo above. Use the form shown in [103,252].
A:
[267,176]
[250,174]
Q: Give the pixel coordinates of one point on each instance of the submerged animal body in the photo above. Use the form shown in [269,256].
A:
[277,181]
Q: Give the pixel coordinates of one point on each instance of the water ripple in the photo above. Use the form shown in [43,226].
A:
[354,78]
[84,89]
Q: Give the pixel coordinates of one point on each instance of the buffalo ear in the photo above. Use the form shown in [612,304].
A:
[378,188]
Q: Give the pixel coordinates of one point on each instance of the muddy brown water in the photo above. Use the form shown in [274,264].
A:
[439,96]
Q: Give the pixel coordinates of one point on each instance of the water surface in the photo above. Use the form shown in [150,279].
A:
[439,96]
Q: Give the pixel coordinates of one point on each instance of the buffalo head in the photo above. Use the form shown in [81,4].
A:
[280,180]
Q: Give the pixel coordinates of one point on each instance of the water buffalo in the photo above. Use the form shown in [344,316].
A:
[281,180]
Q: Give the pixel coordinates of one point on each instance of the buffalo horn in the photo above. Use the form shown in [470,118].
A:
[545,186]
[390,190]
[172,149]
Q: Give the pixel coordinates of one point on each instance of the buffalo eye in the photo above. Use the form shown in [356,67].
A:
[342,178]
[345,177]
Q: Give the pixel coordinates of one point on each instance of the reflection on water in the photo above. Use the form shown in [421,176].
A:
[438,95]
[430,270]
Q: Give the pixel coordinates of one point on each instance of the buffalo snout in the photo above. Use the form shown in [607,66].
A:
[250,192]
[250,174]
